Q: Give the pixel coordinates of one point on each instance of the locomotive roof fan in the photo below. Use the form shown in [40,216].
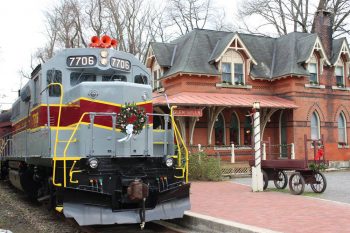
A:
[103,42]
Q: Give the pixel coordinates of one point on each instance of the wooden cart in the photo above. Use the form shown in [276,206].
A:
[305,171]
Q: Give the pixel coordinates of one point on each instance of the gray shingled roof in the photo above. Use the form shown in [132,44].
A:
[220,46]
[336,49]
[261,48]
[196,52]
[163,52]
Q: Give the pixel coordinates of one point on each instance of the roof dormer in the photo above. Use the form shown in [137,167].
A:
[231,41]
[318,47]
[340,51]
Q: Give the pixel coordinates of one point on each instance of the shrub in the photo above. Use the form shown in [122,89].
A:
[204,167]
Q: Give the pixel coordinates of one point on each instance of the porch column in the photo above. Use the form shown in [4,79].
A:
[182,127]
[257,177]
[193,121]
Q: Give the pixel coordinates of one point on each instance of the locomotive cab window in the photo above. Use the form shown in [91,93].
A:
[54,76]
[112,78]
[76,78]
[141,79]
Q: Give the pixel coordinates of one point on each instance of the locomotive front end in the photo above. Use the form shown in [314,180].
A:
[109,164]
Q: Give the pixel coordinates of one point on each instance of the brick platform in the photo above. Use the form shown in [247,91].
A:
[270,210]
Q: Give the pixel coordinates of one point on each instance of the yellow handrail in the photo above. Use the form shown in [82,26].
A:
[69,142]
[71,172]
[56,139]
[177,137]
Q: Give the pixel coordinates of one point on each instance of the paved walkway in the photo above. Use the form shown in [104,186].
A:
[270,210]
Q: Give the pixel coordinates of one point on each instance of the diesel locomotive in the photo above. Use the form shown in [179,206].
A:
[82,140]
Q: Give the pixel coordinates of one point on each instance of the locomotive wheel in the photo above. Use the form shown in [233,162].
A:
[296,183]
[281,180]
[321,183]
[265,179]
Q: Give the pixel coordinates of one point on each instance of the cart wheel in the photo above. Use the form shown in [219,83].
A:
[282,180]
[265,179]
[296,184]
[321,183]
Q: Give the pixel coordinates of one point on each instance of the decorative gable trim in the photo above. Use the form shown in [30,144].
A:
[343,50]
[236,41]
[319,48]
[150,57]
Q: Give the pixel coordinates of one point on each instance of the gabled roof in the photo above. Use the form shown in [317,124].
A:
[305,47]
[163,53]
[197,51]
[223,44]
[339,46]
[286,56]
[220,46]
[261,48]
[193,51]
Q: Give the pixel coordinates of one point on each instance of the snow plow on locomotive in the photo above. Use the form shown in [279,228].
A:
[83,142]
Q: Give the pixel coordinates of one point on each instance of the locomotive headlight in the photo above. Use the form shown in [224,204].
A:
[104,53]
[169,162]
[93,163]
[104,61]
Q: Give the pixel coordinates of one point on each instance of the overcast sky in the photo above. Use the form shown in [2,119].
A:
[22,31]
[22,26]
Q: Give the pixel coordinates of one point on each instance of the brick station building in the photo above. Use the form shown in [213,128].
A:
[301,81]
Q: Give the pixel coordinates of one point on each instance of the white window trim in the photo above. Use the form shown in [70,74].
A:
[341,64]
[342,115]
[233,69]
[318,124]
[314,60]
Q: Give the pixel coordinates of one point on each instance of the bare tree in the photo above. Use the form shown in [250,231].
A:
[134,23]
[129,23]
[96,16]
[189,14]
[292,15]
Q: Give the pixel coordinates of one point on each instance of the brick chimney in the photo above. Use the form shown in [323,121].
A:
[322,25]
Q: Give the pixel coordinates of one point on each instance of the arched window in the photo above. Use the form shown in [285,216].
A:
[313,70]
[342,129]
[315,126]
[219,130]
[234,130]
[232,67]
[248,131]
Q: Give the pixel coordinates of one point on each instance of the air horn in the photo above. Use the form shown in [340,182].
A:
[106,41]
[95,42]
[114,43]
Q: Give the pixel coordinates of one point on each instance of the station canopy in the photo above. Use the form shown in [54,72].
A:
[218,99]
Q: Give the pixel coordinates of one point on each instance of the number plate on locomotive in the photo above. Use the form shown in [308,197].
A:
[120,64]
[81,61]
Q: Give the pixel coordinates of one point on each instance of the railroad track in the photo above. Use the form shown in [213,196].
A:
[151,227]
